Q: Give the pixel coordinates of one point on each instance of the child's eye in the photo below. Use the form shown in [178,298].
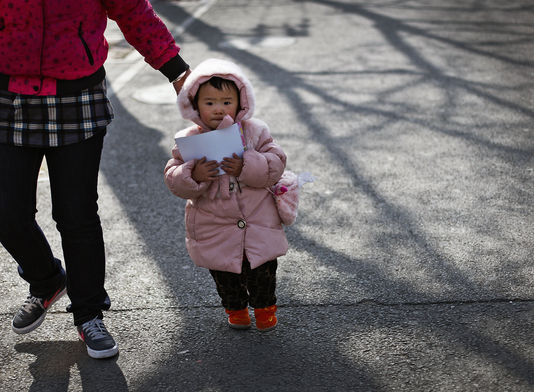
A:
[228,103]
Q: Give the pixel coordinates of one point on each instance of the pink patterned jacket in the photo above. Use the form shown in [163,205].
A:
[45,40]
[222,221]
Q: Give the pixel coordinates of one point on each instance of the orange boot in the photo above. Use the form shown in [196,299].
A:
[266,318]
[238,319]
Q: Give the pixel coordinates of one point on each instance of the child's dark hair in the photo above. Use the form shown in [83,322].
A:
[220,84]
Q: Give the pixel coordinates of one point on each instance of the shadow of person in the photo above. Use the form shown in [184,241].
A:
[51,370]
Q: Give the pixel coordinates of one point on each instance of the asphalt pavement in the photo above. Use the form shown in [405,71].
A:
[410,264]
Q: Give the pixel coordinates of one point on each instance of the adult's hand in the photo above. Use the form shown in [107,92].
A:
[180,82]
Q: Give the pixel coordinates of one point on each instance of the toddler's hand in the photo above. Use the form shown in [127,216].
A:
[232,166]
[205,171]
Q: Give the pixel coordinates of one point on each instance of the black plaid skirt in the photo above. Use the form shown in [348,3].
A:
[51,121]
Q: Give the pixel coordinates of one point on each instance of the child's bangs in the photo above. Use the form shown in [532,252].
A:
[221,83]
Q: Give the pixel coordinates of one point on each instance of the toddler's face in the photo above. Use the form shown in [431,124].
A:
[214,104]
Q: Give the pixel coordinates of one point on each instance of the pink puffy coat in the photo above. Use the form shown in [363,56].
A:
[45,40]
[222,222]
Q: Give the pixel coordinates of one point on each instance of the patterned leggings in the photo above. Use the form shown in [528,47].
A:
[252,286]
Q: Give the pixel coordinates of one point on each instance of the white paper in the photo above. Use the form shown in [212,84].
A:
[214,145]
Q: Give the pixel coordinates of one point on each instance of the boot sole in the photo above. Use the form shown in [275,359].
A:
[239,326]
[267,328]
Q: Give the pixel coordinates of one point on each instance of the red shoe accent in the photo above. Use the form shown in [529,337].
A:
[238,319]
[266,318]
[54,298]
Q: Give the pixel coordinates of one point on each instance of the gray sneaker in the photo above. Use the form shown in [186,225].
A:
[33,311]
[100,343]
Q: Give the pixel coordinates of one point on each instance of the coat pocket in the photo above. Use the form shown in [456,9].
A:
[190,215]
[86,47]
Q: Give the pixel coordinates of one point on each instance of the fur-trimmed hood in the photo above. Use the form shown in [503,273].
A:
[205,71]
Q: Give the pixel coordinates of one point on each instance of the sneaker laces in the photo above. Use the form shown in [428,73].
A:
[31,303]
[95,329]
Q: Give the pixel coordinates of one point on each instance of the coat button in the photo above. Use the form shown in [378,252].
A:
[232,186]
[35,88]
[241,224]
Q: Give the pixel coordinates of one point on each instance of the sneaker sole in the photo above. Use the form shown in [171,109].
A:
[36,324]
[100,354]
[40,320]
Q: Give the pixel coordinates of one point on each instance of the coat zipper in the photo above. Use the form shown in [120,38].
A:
[87,50]
[43,13]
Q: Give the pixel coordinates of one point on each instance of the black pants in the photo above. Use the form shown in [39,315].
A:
[73,173]
[255,287]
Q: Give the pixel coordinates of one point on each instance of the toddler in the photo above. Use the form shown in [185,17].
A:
[232,224]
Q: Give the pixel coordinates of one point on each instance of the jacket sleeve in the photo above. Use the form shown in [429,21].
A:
[264,164]
[177,177]
[147,33]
